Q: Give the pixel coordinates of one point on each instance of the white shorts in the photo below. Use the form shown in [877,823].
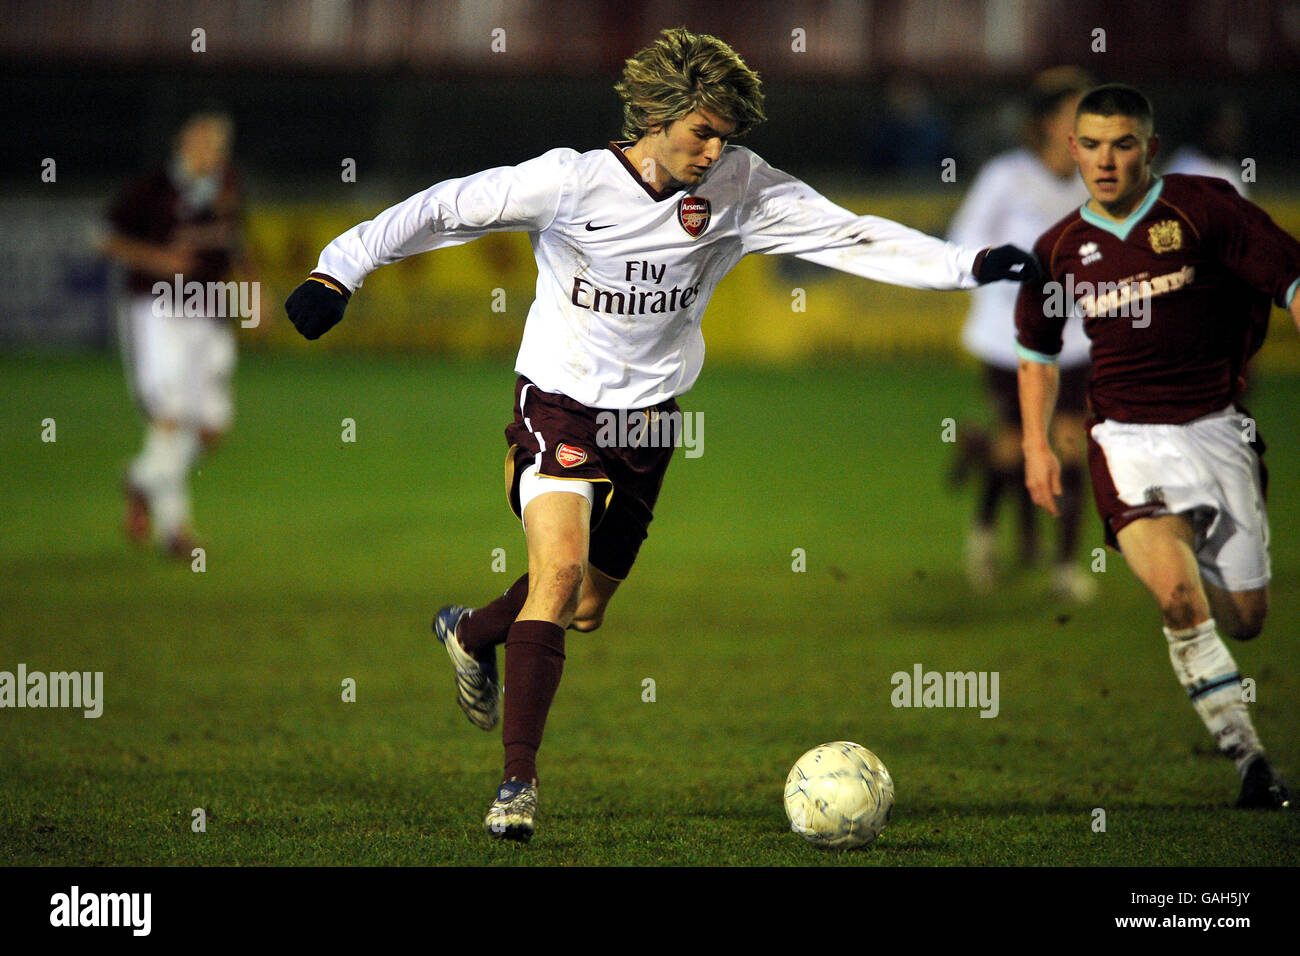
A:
[1205,470]
[179,367]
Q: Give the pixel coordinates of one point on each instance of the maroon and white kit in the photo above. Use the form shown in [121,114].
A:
[1175,300]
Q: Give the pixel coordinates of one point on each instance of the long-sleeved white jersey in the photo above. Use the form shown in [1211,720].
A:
[1015,198]
[624,272]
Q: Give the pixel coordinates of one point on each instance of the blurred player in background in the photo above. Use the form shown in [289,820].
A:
[1168,274]
[630,239]
[1216,150]
[179,224]
[1018,195]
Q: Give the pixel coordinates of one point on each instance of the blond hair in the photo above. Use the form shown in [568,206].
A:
[681,72]
[1048,94]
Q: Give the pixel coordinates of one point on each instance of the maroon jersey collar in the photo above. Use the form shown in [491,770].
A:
[617,148]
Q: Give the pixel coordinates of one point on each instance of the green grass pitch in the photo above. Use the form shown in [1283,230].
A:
[326,560]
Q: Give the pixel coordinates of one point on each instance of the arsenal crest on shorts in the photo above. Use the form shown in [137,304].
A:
[693,213]
[569,456]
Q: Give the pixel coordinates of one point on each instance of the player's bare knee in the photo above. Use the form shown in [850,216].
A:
[562,581]
[591,607]
[591,614]
[1180,609]
[553,591]
[1249,622]
[1245,630]
[587,624]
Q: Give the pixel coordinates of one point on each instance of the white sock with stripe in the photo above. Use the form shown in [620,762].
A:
[1205,668]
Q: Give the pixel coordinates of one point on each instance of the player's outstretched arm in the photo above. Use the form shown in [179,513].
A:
[523,198]
[782,215]
[316,306]
[1038,385]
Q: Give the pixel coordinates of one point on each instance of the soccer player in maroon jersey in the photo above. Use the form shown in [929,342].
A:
[176,226]
[1173,277]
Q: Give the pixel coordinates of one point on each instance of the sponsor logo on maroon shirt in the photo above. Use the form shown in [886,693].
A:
[1190,286]
[569,456]
[693,213]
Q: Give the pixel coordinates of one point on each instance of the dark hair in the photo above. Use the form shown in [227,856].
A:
[1116,99]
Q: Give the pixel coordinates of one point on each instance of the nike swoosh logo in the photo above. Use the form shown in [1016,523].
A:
[591,228]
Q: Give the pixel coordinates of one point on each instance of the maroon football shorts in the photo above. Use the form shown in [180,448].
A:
[1004,388]
[568,440]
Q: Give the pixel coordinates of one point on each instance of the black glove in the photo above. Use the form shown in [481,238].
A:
[315,307]
[1006,262]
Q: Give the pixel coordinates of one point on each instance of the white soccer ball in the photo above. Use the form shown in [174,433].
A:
[839,796]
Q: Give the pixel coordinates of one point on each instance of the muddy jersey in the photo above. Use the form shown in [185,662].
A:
[624,272]
[1174,299]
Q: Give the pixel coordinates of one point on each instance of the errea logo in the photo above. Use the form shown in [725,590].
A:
[1089,253]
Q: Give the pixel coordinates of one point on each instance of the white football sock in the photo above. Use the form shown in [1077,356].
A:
[161,471]
[1205,668]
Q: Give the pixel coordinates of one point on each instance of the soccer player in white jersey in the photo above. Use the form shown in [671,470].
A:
[1216,149]
[1015,197]
[630,241]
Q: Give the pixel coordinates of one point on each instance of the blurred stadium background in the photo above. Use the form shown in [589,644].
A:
[866,99]
[326,560]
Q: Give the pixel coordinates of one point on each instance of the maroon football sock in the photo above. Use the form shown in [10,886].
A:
[996,482]
[1028,520]
[488,626]
[534,662]
[1071,510]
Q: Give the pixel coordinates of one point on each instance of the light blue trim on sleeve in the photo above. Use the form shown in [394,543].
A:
[1290,292]
[1029,355]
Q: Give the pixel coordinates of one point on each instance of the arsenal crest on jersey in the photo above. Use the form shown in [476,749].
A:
[693,213]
